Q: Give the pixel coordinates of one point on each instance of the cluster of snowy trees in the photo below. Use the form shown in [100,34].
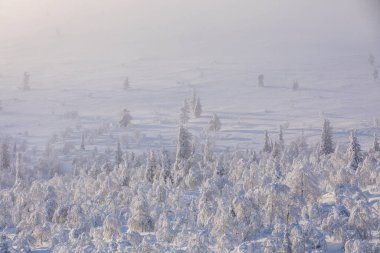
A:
[288,197]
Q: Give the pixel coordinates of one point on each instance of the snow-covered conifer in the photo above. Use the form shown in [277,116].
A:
[5,161]
[376,145]
[261,80]
[152,168]
[126,84]
[82,146]
[119,154]
[198,108]
[126,118]
[354,152]
[295,85]
[267,143]
[215,124]
[326,139]
[184,115]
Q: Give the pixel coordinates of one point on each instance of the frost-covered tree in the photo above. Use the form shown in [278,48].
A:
[140,221]
[25,83]
[126,84]
[281,137]
[126,118]
[261,80]
[371,59]
[166,175]
[376,145]
[5,156]
[326,139]
[295,85]
[184,146]
[375,74]
[197,108]
[152,168]
[354,152]
[267,143]
[19,168]
[119,154]
[358,246]
[194,99]
[215,124]
[361,220]
[184,113]
[82,146]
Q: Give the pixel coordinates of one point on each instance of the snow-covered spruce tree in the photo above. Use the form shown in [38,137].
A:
[166,176]
[267,143]
[126,84]
[303,182]
[261,80]
[326,147]
[215,124]
[126,118]
[19,169]
[295,85]
[197,109]
[376,145]
[354,152]
[82,146]
[119,154]
[184,152]
[25,84]
[281,140]
[5,156]
[185,112]
[140,221]
[152,168]
[194,99]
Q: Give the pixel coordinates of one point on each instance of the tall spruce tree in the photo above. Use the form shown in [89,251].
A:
[326,139]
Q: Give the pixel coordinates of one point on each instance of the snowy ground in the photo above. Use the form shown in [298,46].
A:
[331,88]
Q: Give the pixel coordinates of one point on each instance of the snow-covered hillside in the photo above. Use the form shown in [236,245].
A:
[189,127]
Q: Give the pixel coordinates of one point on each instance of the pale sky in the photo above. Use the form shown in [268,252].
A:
[178,27]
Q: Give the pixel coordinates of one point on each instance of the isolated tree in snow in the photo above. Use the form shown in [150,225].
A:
[126,119]
[26,81]
[295,85]
[371,59]
[5,156]
[184,114]
[19,168]
[126,84]
[198,108]
[376,146]
[194,99]
[281,138]
[375,74]
[354,151]
[326,139]
[82,147]
[215,124]
[119,154]
[267,143]
[261,80]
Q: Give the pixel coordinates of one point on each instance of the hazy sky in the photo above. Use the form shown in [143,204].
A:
[179,27]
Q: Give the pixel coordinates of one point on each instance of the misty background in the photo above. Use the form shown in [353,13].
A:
[48,31]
